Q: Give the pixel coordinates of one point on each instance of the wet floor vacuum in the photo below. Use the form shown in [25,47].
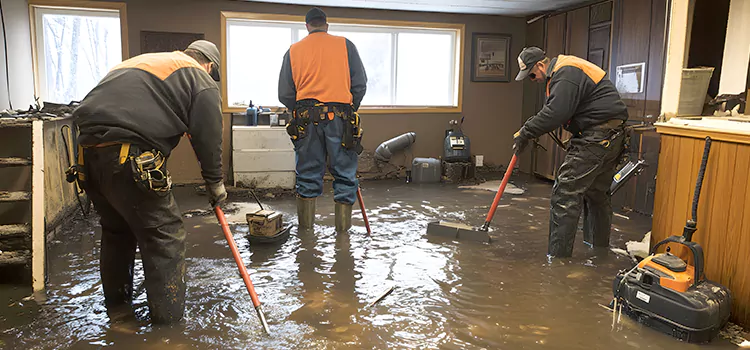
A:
[266,226]
[669,293]
[470,233]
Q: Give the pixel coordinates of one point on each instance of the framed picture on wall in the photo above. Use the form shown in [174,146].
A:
[490,57]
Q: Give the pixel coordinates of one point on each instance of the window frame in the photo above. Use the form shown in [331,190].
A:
[459,47]
[72,5]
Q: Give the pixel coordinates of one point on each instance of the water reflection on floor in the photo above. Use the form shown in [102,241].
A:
[316,286]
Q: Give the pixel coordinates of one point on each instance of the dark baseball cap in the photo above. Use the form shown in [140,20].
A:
[315,13]
[209,50]
[527,59]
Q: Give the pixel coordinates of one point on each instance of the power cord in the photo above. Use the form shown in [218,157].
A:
[5,44]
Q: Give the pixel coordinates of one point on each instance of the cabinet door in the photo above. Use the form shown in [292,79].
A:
[555,45]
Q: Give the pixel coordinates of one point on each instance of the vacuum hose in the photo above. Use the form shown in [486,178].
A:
[385,151]
[691,225]
[699,183]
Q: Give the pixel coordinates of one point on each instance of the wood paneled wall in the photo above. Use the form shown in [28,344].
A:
[723,209]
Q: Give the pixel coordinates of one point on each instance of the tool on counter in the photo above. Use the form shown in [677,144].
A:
[463,231]
[669,293]
[241,266]
[364,212]
[266,226]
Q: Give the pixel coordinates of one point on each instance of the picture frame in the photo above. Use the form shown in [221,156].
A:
[490,57]
[153,41]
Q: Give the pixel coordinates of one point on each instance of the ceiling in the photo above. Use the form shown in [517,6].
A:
[484,7]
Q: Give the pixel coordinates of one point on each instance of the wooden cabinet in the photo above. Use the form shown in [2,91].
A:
[547,161]
[639,38]
[611,34]
[723,208]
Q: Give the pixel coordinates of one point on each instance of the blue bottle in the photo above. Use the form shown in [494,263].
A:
[251,115]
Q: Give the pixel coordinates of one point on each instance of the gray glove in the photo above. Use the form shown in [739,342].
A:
[216,193]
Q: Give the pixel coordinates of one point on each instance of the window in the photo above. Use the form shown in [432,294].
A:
[408,65]
[75,48]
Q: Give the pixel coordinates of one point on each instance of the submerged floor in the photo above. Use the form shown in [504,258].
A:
[316,288]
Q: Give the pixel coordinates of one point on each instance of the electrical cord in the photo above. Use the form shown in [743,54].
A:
[5,44]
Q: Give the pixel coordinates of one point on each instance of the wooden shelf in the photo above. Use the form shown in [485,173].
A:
[15,229]
[14,196]
[14,161]
[18,257]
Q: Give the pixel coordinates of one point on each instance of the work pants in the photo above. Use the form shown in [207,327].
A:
[323,142]
[130,217]
[584,177]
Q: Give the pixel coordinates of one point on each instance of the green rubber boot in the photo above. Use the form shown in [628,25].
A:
[305,213]
[343,217]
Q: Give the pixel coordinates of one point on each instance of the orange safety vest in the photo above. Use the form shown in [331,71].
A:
[320,68]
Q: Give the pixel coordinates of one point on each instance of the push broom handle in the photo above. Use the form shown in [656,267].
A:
[500,190]
[236,254]
[364,213]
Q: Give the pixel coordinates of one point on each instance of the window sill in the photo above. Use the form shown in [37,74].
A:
[372,110]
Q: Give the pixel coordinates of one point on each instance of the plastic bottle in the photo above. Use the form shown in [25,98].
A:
[251,114]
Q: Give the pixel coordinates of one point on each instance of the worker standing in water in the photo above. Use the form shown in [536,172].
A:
[584,101]
[129,123]
[323,81]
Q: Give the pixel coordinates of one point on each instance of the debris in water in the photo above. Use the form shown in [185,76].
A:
[382,296]
[28,298]
[735,334]
[619,251]
[270,195]
[621,216]
[640,249]
[196,212]
[519,199]
[540,207]
[577,275]
[502,206]
[483,207]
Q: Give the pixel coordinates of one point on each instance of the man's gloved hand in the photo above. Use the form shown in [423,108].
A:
[519,142]
[216,193]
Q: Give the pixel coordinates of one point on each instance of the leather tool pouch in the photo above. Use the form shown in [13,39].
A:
[297,126]
[150,173]
[352,137]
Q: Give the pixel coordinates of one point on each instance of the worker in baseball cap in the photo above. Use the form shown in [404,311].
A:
[129,124]
[323,81]
[581,99]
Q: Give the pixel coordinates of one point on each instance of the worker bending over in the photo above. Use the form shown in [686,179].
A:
[584,101]
[129,123]
[323,81]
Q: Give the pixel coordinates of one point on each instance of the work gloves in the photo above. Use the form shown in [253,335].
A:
[519,142]
[217,194]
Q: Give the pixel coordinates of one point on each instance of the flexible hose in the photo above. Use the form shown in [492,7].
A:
[701,173]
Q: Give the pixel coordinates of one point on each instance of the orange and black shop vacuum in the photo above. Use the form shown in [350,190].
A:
[671,295]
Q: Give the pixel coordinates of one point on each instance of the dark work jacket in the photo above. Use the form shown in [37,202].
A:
[579,96]
[322,67]
[152,100]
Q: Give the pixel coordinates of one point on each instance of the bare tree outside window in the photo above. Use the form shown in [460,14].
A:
[77,51]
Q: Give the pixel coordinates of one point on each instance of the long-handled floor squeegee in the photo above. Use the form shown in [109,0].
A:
[463,231]
[241,266]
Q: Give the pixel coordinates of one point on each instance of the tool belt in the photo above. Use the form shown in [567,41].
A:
[148,168]
[310,111]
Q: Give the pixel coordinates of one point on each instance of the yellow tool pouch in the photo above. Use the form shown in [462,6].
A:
[149,170]
[352,137]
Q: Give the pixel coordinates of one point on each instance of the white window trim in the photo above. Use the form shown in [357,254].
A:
[37,8]
[359,25]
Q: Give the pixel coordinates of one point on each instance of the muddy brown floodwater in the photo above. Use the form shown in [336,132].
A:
[315,287]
